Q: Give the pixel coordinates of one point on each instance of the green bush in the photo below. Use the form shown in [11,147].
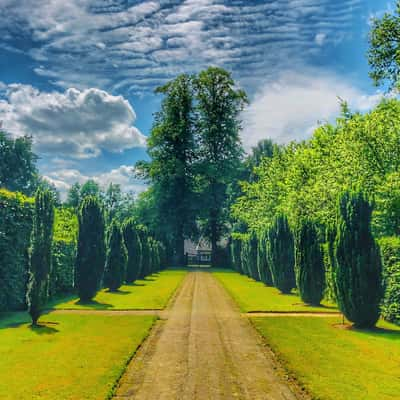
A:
[358,266]
[310,271]
[145,259]
[236,248]
[62,278]
[116,258]
[40,257]
[262,261]
[134,250]
[390,250]
[16,213]
[90,259]
[245,255]
[280,253]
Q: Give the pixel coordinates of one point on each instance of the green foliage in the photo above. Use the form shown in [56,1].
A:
[145,259]
[236,249]
[264,270]
[218,106]
[384,49]
[390,249]
[40,257]
[358,263]
[115,268]
[280,253]
[90,258]
[134,250]
[310,271]
[16,213]
[17,164]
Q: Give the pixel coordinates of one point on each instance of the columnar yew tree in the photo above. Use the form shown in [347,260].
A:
[134,250]
[218,105]
[236,252]
[252,262]
[310,271]
[280,252]
[358,261]
[40,253]
[116,258]
[145,259]
[171,148]
[91,255]
[262,260]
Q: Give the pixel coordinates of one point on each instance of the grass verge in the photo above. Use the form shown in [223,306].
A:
[70,357]
[153,292]
[255,296]
[334,362]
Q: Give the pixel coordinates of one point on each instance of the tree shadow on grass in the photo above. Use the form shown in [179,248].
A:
[135,284]
[93,304]
[118,291]
[44,328]
[379,332]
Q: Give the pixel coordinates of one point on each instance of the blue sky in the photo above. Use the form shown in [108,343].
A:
[79,75]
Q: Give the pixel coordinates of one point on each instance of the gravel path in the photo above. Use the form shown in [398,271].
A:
[205,349]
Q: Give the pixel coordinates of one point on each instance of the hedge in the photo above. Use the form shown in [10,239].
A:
[16,213]
[390,251]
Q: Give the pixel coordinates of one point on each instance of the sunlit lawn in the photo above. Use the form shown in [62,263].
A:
[150,293]
[333,363]
[255,296]
[72,357]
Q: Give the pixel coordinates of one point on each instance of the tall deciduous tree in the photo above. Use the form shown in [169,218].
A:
[116,258]
[358,262]
[91,255]
[218,105]
[17,164]
[40,253]
[170,170]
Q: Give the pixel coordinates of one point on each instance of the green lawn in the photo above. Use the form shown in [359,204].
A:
[335,363]
[255,296]
[72,357]
[150,293]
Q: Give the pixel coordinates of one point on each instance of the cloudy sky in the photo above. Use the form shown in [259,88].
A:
[79,75]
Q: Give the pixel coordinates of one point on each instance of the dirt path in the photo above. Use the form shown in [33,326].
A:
[204,350]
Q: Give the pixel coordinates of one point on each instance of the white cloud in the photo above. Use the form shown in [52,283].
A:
[320,38]
[291,107]
[63,179]
[75,123]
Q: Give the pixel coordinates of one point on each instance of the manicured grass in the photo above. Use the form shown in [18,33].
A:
[335,363]
[150,293]
[255,296]
[72,357]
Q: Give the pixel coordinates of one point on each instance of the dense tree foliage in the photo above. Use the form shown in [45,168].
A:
[115,267]
[358,264]
[310,269]
[280,253]
[218,107]
[17,164]
[40,254]
[264,270]
[134,250]
[90,259]
[171,148]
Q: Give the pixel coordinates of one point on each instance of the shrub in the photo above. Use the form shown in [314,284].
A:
[16,213]
[358,263]
[262,260]
[280,253]
[40,253]
[390,249]
[134,250]
[90,257]
[310,271]
[116,258]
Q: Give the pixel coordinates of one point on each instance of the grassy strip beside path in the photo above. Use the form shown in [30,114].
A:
[335,363]
[255,296]
[151,293]
[71,357]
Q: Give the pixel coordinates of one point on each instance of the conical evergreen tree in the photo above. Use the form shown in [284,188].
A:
[252,262]
[40,253]
[236,252]
[310,271]
[91,255]
[358,262]
[280,253]
[262,260]
[134,250]
[116,258]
